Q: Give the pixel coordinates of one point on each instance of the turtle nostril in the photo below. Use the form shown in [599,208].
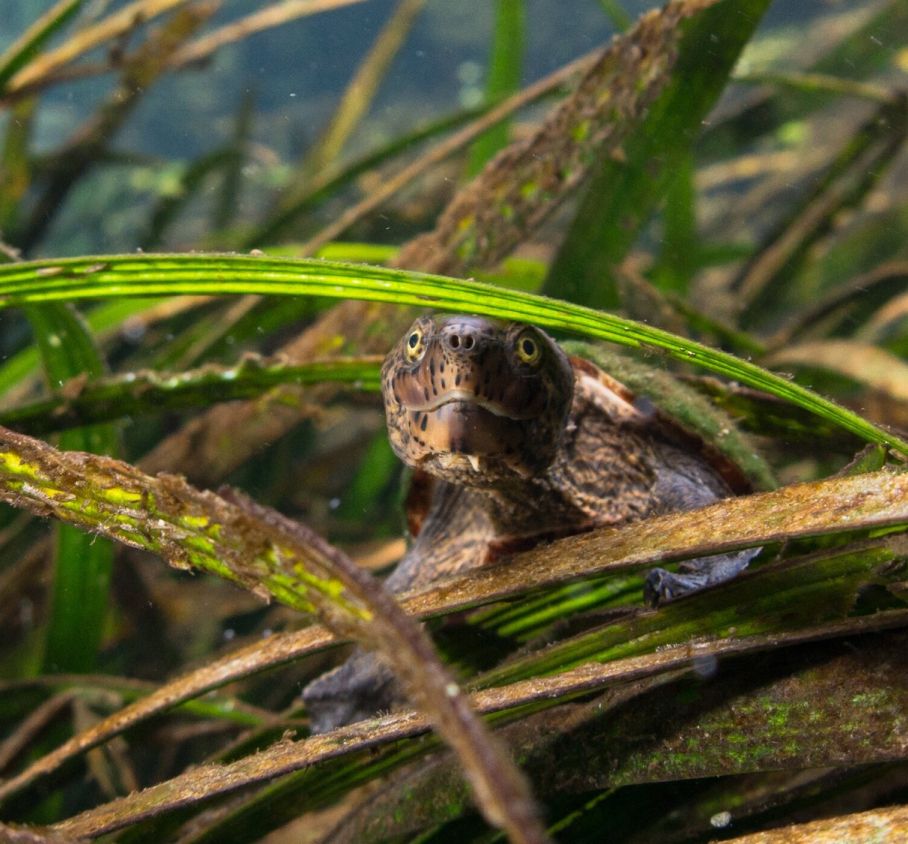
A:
[461,338]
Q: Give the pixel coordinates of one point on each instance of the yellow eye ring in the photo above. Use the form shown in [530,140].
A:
[528,349]
[415,346]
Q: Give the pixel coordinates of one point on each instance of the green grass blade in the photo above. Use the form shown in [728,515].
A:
[227,203]
[16,163]
[680,253]
[617,14]
[31,41]
[146,275]
[621,196]
[147,392]
[104,318]
[504,77]
[82,562]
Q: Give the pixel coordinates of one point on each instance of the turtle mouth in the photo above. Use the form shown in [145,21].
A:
[465,427]
[463,399]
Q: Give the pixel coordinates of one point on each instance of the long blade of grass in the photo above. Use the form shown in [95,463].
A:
[256,547]
[623,192]
[146,391]
[142,275]
[504,77]
[24,48]
[357,97]
[82,564]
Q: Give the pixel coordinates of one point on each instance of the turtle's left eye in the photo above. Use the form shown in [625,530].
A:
[528,350]
[415,345]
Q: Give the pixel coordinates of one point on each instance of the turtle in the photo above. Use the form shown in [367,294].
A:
[514,442]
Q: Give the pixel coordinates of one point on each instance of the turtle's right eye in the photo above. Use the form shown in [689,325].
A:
[415,345]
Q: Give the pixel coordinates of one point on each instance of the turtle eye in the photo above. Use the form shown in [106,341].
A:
[415,345]
[528,350]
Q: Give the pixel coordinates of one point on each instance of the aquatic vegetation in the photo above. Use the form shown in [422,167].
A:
[715,193]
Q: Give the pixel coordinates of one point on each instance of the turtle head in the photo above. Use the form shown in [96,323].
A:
[474,401]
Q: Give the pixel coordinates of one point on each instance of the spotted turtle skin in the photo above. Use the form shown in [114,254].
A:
[512,443]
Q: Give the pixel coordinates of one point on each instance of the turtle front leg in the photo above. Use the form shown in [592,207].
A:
[693,575]
[684,482]
[356,689]
[455,538]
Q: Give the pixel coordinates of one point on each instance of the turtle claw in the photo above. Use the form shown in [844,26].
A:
[662,586]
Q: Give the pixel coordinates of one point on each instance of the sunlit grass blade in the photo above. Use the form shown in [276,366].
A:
[144,275]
